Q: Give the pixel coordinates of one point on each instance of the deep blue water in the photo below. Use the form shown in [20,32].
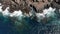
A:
[33,27]
[7,26]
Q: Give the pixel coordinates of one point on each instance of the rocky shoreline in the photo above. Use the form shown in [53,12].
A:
[25,5]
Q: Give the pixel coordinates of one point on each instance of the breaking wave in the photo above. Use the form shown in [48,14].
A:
[32,23]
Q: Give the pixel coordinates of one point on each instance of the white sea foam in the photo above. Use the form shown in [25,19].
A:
[0,8]
[16,13]
[49,12]
[7,13]
[46,13]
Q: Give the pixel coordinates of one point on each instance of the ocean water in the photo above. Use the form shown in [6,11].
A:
[17,23]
